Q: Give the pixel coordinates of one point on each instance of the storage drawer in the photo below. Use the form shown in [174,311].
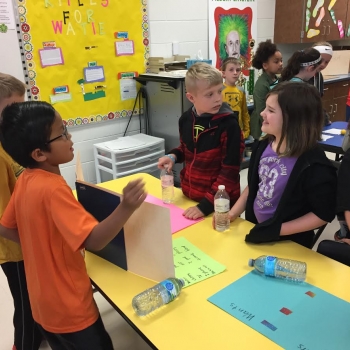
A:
[130,164]
[328,91]
[130,154]
[151,169]
[341,89]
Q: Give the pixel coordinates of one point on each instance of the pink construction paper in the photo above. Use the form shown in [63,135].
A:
[177,220]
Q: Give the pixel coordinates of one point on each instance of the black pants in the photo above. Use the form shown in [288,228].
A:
[94,337]
[27,333]
[335,250]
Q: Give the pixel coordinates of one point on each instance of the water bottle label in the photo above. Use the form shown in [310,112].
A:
[270,262]
[170,288]
[167,180]
[222,205]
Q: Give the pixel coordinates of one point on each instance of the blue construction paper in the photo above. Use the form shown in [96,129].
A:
[318,320]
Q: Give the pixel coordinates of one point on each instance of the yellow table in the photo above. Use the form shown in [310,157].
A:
[191,322]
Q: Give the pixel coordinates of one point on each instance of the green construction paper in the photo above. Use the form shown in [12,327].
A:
[89,96]
[193,265]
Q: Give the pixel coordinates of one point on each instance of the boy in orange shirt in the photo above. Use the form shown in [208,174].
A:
[26,334]
[53,227]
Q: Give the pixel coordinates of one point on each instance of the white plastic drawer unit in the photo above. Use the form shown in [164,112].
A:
[127,155]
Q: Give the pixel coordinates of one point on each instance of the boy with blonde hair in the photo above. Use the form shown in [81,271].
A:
[211,143]
[53,227]
[26,334]
[233,95]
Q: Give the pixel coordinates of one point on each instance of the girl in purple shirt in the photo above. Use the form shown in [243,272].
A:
[291,183]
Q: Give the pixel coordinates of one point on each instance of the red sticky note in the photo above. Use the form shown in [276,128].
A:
[310,294]
[286,311]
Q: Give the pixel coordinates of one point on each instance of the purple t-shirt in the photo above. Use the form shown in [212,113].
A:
[274,172]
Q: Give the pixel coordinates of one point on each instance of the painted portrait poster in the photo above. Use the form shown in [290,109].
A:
[231,29]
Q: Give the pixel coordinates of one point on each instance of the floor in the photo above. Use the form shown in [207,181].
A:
[123,336]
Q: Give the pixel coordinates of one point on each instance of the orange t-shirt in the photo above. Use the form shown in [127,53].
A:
[53,226]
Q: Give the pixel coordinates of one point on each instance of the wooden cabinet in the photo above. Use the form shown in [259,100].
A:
[288,21]
[304,21]
[334,100]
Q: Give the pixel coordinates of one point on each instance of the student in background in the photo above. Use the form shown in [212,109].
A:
[234,95]
[291,183]
[27,335]
[53,227]
[211,142]
[302,66]
[268,58]
[326,51]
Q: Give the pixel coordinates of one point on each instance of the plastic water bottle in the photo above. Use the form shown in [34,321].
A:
[291,270]
[157,296]
[167,180]
[222,207]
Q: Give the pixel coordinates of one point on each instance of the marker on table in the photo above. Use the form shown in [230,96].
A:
[90,47]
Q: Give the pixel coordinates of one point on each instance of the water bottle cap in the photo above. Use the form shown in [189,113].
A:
[221,187]
[251,262]
[182,281]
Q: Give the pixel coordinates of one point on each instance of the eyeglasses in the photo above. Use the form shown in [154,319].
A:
[65,134]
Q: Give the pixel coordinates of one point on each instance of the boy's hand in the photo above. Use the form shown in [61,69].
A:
[162,162]
[134,194]
[193,213]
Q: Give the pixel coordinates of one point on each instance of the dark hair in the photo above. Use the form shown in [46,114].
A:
[231,60]
[302,117]
[25,127]
[293,66]
[265,50]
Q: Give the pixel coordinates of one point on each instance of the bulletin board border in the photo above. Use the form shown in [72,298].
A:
[30,68]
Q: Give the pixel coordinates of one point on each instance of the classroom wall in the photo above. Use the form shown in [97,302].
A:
[182,21]
[186,22]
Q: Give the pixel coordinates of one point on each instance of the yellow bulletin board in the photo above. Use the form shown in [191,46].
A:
[81,54]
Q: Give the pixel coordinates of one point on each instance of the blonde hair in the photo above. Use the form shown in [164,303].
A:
[10,85]
[231,60]
[202,71]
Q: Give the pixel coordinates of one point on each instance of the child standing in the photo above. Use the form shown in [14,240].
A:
[211,143]
[27,335]
[326,51]
[269,59]
[291,183]
[53,227]
[302,66]
[235,96]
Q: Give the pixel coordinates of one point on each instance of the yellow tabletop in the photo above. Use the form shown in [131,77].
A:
[191,322]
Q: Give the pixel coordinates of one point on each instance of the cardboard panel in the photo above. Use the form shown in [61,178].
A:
[149,244]
[101,203]
[339,64]
[144,246]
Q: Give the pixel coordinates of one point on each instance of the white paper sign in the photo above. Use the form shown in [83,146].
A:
[7,16]
[332,131]
[51,57]
[127,89]
[123,48]
[326,137]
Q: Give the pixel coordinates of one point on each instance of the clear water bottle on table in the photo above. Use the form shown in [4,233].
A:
[167,180]
[291,270]
[222,208]
[157,296]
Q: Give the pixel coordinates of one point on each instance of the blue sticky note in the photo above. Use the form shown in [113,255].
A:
[294,316]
